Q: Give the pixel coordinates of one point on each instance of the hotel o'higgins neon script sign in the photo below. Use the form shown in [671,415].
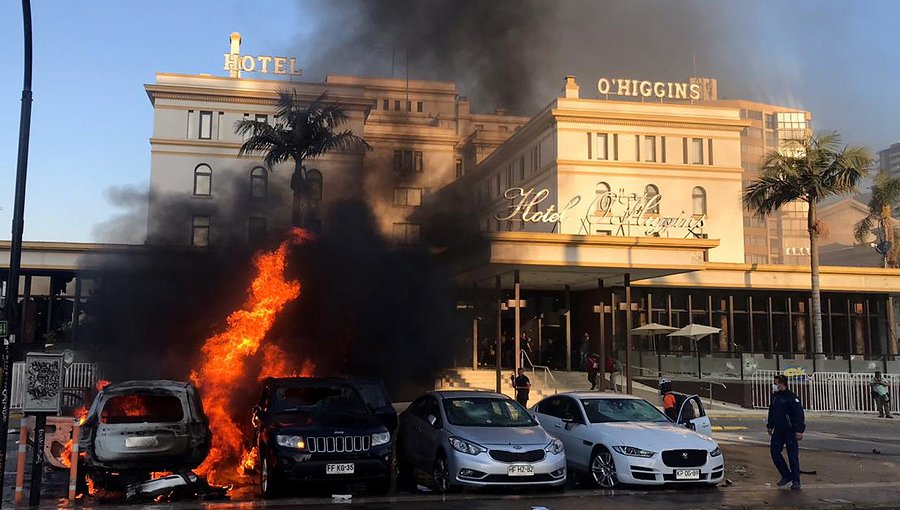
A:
[609,212]
[643,88]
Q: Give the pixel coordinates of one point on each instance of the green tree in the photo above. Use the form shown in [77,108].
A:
[807,170]
[880,221]
[302,130]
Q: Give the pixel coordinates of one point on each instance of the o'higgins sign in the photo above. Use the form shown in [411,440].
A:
[648,89]
[607,212]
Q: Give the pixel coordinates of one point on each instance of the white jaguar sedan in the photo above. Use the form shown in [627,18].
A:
[621,439]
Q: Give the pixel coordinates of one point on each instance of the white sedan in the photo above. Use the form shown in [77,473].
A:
[617,438]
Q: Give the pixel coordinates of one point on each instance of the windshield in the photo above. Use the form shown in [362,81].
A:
[606,410]
[486,412]
[335,399]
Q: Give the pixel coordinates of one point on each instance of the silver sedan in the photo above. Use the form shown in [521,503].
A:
[475,438]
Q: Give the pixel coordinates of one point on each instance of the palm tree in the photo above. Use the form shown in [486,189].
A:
[303,130]
[885,196]
[807,170]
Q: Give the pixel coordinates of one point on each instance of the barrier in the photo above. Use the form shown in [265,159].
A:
[78,381]
[825,391]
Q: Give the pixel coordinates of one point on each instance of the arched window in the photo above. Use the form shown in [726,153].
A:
[698,199]
[602,203]
[314,177]
[651,193]
[202,180]
[259,182]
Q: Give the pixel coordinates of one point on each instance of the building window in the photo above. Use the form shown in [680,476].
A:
[397,105]
[407,161]
[408,197]
[420,107]
[459,168]
[651,192]
[205,125]
[418,161]
[590,146]
[662,148]
[698,199]
[408,105]
[314,179]
[504,128]
[685,147]
[262,118]
[637,147]
[709,152]
[479,127]
[650,149]
[602,146]
[697,152]
[256,231]
[202,180]
[386,105]
[200,231]
[406,233]
[259,182]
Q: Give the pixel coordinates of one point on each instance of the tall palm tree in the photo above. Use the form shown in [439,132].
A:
[807,170]
[303,130]
[885,196]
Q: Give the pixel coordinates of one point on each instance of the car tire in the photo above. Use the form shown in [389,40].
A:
[379,487]
[440,475]
[269,483]
[602,468]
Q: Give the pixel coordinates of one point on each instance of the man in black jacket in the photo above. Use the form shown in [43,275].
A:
[786,426]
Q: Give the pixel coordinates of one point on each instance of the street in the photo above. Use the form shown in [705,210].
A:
[839,448]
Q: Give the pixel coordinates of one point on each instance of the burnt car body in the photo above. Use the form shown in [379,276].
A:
[142,426]
[311,429]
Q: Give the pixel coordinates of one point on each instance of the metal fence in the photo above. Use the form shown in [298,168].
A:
[78,381]
[825,391]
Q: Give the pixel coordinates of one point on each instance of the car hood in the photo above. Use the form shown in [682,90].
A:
[496,436]
[654,436]
[327,423]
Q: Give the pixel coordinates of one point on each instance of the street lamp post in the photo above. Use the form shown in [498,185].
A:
[18,225]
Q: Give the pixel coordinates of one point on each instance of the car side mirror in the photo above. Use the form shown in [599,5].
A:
[432,419]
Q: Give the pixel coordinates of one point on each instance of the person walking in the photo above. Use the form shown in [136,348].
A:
[786,425]
[612,368]
[585,348]
[593,368]
[882,395]
[522,385]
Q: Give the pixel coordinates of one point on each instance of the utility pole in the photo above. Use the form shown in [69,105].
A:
[18,226]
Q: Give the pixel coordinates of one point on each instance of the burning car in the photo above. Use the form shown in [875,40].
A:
[320,429]
[137,427]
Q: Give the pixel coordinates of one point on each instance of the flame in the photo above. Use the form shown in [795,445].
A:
[159,474]
[92,489]
[223,366]
[66,455]
[102,383]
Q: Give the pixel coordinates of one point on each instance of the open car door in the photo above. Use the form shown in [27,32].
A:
[692,415]
[374,394]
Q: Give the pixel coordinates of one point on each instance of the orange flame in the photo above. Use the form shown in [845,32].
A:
[223,367]
[66,455]
[102,383]
[92,489]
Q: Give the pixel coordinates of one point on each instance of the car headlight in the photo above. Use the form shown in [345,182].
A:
[290,442]
[632,451]
[380,438]
[461,445]
[716,453]
[555,447]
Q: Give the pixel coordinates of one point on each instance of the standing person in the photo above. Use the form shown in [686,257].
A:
[547,355]
[612,368]
[786,425]
[592,367]
[522,385]
[881,394]
[525,344]
[585,348]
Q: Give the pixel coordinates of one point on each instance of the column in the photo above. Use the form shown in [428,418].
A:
[499,356]
[628,346]
[568,329]
[518,312]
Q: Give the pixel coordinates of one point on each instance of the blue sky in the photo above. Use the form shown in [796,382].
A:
[92,120]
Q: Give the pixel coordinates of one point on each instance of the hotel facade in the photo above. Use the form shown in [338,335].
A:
[596,215]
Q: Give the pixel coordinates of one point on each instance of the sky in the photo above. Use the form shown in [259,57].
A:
[92,119]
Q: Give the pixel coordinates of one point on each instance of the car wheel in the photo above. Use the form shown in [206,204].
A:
[268,480]
[603,468]
[379,487]
[441,474]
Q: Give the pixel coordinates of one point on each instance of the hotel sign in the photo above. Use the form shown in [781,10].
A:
[649,89]
[262,64]
[607,212]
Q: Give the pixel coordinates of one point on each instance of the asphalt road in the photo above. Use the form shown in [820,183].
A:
[838,448]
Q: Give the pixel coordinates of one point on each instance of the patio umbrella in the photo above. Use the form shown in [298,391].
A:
[695,331]
[652,330]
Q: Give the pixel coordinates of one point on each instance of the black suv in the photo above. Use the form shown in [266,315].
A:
[312,429]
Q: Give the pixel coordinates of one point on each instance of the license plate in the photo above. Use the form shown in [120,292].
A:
[141,442]
[339,469]
[520,470]
[687,474]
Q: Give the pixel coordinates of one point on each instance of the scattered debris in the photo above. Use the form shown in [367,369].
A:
[727,483]
[173,487]
[341,498]
[422,488]
[876,451]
